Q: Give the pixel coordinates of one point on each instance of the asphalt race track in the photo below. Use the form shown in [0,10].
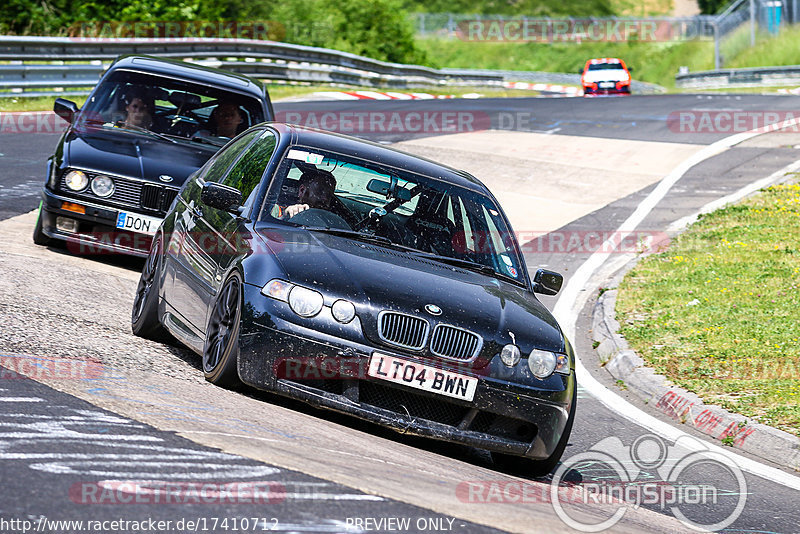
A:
[58,452]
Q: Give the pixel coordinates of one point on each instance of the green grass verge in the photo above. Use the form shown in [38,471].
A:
[768,52]
[35,103]
[652,62]
[717,313]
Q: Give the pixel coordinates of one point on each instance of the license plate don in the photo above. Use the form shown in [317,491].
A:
[137,223]
[423,377]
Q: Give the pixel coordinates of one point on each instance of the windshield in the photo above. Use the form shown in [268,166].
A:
[152,105]
[341,194]
[605,66]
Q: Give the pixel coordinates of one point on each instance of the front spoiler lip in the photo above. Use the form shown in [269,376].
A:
[402,423]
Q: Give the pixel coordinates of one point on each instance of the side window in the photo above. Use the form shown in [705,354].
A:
[246,173]
[219,165]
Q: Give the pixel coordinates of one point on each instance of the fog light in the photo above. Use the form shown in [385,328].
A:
[76,180]
[305,302]
[343,311]
[102,186]
[65,224]
[510,355]
[541,363]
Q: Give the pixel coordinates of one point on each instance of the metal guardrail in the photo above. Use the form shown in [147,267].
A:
[750,77]
[263,59]
[260,59]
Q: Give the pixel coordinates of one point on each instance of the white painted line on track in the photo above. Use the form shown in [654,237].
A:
[680,224]
[577,291]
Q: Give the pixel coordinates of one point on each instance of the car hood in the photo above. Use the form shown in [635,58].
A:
[375,278]
[134,155]
[612,75]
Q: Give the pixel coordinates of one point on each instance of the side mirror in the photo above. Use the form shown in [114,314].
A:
[580,71]
[221,197]
[66,109]
[630,69]
[547,282]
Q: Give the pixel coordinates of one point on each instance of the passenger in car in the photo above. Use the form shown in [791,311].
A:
[139,109]
[315,190]
[226,120]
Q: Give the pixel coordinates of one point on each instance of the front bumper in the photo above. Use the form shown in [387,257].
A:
[96,234]
[518,420]
[624,90]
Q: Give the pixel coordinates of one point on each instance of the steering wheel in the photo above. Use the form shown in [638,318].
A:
[320,217]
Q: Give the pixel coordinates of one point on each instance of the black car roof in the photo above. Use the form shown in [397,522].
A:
[189,71]
[335,142]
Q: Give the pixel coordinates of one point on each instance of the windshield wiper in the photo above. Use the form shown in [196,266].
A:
[372,238]
[149,132]
[210,140]
[472,266]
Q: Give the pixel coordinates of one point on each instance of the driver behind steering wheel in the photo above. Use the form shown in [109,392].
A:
[315,190]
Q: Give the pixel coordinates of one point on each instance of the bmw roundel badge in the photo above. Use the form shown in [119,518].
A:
[433,309]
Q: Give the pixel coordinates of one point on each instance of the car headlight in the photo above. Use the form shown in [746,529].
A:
[76,180]
[343,311]
[510,355]
[542,363]
[305,302]
[102,186]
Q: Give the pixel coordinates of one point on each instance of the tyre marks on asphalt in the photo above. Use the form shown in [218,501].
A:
[66,458]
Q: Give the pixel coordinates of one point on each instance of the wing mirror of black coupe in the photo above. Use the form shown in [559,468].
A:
[383,188]
[221,197]
[547,282]
[66,109]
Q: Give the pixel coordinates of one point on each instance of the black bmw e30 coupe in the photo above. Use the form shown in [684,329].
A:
[148,124]
[364,280]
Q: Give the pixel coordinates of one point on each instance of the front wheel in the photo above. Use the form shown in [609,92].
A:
[222,335]
[144,316]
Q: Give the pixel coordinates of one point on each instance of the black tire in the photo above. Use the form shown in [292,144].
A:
[144,315]
[538,468]
[39,237]
[221,348]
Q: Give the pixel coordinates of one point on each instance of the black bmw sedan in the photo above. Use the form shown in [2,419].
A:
[364,280]
[147,125]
